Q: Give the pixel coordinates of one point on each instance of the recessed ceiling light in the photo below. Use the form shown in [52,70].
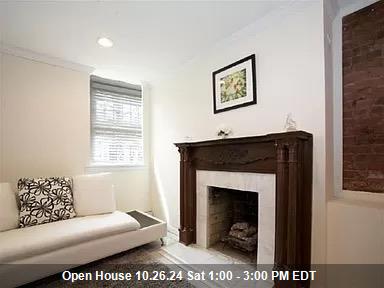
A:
[105,42]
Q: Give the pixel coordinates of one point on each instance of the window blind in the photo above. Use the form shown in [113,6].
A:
[116,122]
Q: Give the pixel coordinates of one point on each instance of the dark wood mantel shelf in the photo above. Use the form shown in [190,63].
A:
[288,155]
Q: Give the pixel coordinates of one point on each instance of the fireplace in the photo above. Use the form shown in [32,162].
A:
[285,159]
[231,185]
[232,219]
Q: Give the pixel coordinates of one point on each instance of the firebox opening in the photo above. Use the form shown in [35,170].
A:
[233,221]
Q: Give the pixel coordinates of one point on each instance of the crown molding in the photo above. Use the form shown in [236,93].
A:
[332,8]
[38,57]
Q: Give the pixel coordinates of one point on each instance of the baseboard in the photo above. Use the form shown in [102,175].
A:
[173,230]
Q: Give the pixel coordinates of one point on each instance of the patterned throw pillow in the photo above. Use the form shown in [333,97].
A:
[45,200]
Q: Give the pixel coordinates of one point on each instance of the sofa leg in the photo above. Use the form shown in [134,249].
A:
[162,241]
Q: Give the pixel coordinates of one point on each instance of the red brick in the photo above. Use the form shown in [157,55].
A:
[379,100]
[356,149]
[351,174]
[378,148]
[379,110]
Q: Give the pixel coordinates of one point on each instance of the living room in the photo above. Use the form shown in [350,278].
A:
[174,138]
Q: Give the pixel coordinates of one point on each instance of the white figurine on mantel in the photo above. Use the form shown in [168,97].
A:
[290,124]
[223,131]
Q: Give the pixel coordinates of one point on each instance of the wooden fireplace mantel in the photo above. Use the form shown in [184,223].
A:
[288,155]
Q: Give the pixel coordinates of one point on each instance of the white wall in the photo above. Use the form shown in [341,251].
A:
[45,128]
[45,119]
[290,77]
[1,91]
[355,219]
[355,232]
[330,10]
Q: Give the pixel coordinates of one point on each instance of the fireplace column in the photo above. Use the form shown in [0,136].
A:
[293,209]
[281,225]
[187,230]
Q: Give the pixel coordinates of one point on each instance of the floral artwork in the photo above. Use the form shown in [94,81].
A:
[234,86]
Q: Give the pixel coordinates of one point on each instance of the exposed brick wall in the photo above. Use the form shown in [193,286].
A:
[220,214]
[363,99]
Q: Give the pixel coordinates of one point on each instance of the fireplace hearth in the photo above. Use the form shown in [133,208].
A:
[286,155]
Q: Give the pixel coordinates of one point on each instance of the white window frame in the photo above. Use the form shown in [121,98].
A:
[95,166]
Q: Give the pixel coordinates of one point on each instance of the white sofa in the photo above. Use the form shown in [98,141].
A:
[66,243]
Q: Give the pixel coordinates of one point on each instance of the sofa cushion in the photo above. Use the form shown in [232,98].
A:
[31,241]
[9,212]
[93,194]
[45,200]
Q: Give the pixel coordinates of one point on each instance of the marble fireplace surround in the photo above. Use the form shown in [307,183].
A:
[285,156]
[264,184]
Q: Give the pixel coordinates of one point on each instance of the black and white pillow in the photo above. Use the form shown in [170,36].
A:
[45,200]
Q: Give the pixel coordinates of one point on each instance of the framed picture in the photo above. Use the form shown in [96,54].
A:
[234,85]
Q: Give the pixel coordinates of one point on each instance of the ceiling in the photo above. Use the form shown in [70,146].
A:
[344,3]
[362,3]
[151,38]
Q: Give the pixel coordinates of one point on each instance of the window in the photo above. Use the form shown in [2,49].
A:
[116,123]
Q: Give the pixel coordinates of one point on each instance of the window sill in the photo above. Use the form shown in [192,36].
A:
[362,196]
[113,168]
[361,199]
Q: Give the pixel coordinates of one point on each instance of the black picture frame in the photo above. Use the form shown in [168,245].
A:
[249,63]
